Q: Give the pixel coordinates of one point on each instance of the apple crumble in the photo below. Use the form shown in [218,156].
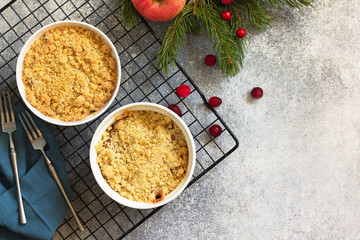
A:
[143,156]
[69,73]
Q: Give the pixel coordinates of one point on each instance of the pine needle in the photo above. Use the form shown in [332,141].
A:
[291,3]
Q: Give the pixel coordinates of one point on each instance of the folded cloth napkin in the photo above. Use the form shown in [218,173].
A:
[44,204]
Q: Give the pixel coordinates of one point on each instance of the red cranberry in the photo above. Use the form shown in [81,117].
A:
[176,109]
[226,2]
[241,33]
[226,15]
[210,60]
[183,90]
[215,130]
[215,102]
[257,92]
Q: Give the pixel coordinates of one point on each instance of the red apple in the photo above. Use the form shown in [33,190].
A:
[159,10]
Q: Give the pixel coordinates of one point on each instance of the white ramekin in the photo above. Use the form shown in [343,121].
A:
[109,120]
[37,35]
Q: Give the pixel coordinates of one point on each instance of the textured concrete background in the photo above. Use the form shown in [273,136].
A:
[296,174]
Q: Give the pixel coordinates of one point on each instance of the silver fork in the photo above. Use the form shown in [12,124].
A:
[38,142]
[9,126]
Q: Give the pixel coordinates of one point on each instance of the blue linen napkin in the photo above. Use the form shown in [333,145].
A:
[44,205]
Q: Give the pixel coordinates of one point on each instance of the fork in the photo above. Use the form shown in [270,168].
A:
[38,142]
[9,126]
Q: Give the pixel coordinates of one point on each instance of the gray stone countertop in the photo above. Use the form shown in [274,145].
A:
[296,173]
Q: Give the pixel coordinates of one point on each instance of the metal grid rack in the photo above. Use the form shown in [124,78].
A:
[141,81]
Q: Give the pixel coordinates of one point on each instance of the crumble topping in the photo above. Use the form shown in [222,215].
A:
[143,156]
[69,73]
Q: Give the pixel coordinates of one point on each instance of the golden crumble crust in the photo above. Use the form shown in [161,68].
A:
[69,73]
[143,156]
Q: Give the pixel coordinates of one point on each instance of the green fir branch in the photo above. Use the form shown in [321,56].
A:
[175,36]
[129,15]
[256,14]
[229,48]
[222,39]
[238,17]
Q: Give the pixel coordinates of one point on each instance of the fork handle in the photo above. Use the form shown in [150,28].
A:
[22,217]
[57,180]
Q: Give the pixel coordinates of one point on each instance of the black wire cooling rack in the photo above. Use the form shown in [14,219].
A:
[141,81]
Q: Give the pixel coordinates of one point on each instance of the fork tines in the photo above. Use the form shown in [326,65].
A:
[7,102]
[29,128]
